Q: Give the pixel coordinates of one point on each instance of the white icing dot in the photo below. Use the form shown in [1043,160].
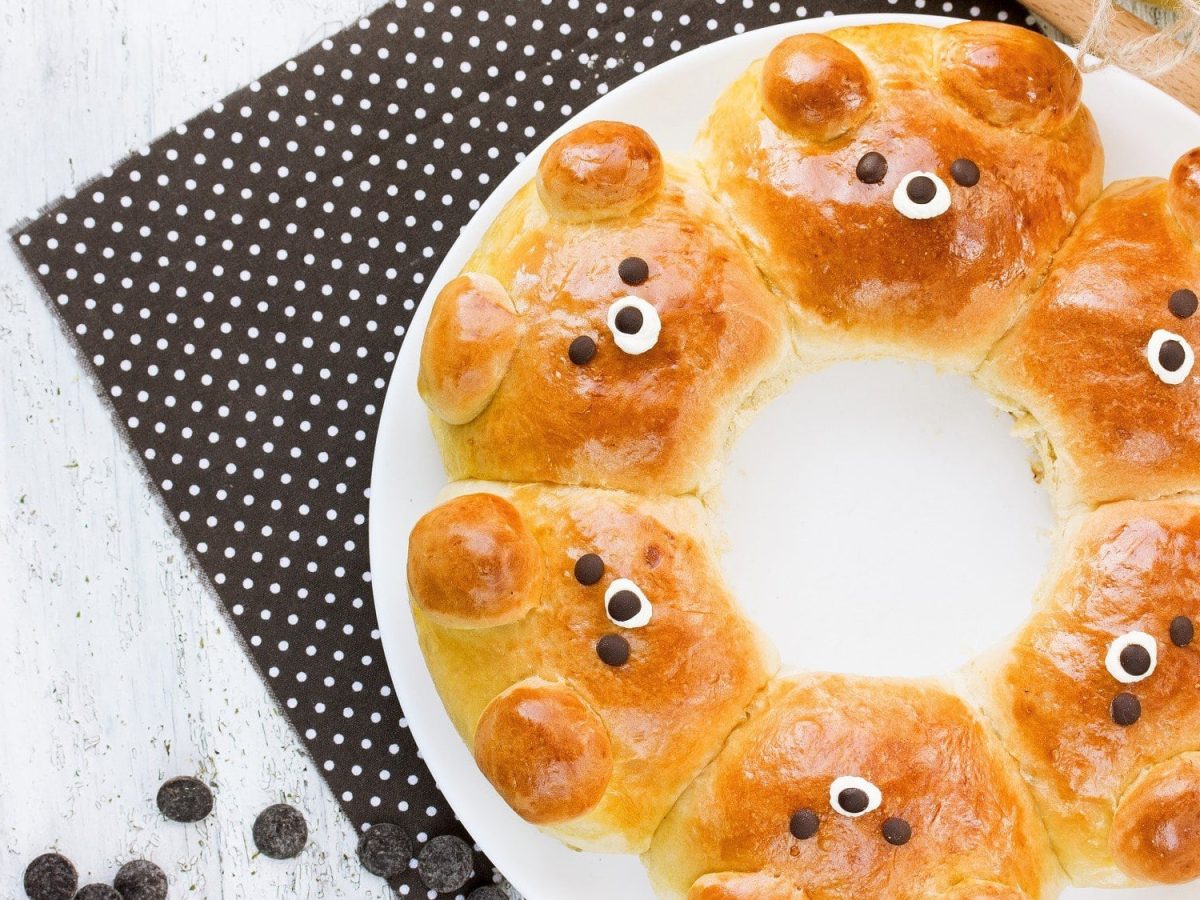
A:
[645,610]
[914,210]
[853,782]
[1154,349]
[646,336]
[1112,661]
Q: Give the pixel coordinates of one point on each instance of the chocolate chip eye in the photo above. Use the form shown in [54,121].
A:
[804,824]
[965,172]
[634,324]
[626,605]
[871,168]
[852,796]
[1170,356]
[1183,304]
[589,569]
[1183,631]
[1125,709]
[896,831]
[582,350]
[1132,657]
[613,650]
[633,270]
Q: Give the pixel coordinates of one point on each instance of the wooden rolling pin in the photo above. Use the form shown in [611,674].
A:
[1072,17]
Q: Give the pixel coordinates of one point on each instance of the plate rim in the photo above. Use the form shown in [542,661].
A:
[384,551]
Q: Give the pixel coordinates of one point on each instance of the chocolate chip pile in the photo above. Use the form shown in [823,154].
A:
[280,831]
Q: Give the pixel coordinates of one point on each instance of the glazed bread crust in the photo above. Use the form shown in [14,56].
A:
[936,763]
[1120,802]
[657,421]
[895,190]
[1076,365]
[594,753]
[861,278]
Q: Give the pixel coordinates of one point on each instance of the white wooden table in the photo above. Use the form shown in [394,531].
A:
[117,670]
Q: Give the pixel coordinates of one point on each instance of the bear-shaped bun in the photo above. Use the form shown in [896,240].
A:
[904,187]
[1099,366]
[1097,696]
[585,647]
[850,788]
[609,298]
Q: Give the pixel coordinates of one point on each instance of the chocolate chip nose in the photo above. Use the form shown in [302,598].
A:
[921,189]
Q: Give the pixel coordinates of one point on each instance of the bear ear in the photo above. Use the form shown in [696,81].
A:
[814,87]
[545,750]
[473,563]
[468,347]
[601,170]
[1008,76]
[1183,192]
[1156,828]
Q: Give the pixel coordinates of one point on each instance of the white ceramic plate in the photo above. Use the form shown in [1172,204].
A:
[899,493]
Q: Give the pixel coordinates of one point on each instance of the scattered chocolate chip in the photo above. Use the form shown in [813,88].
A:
[613,650]
[445,863]
[1126,709]
[965,172]
[280,831]
[51,877]
[854,800]
[141,880]
[385,850]
[633,270]
[896,831]
[624,605]
[1135,659]
[1182,631]
[589,568]
[1183,303]
[184,799]
[871,168]
[488,892]
[582,350]
[629,320]
[804,824]
[97,892]
[1171,355]
[921,189]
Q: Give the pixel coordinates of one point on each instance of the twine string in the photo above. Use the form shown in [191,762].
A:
[1149,57]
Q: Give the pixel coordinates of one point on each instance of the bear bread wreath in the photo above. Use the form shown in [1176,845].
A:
[900,191]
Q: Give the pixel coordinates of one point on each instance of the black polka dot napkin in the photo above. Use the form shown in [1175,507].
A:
[239,290]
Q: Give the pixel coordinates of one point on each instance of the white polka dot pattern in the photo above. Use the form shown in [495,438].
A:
[239,290]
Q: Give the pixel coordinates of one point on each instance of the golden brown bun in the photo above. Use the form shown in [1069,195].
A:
[863,279]
[518,409]
[594,753]
[1076,360]
[1121,802]
[936,763]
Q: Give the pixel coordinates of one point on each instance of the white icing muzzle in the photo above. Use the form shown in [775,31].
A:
[1164,351]
[919,207]
[644,611]
[1116,667]
[853,782]
[645,336]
